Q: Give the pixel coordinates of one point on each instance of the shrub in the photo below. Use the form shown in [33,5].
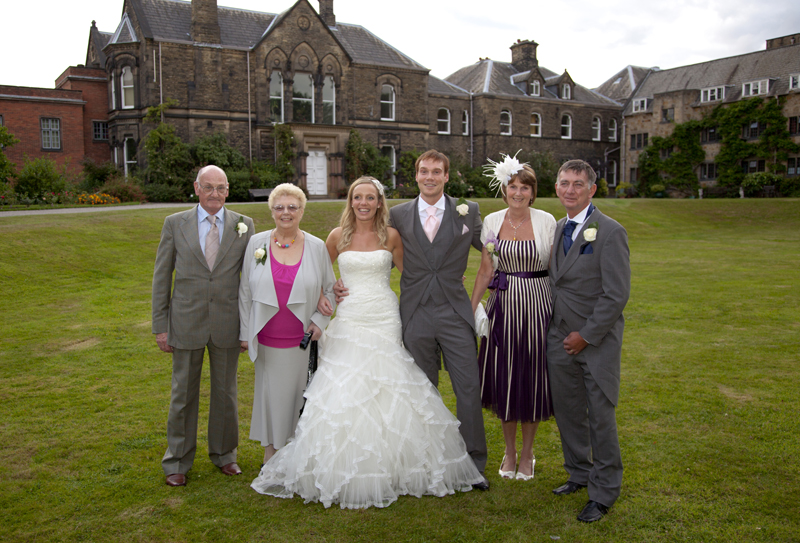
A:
[7,195]
[39,176]
[624,190]
[161,192]
[215,150]
[602,188]
[97,199]
[789,186]
[239,182]
[754,183]
[7,139]
[96,175]
[363,158]
[266,175]
[125,191]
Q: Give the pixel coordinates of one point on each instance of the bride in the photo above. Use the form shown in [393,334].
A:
[373,427]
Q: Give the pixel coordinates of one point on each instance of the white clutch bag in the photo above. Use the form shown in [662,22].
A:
[481,321]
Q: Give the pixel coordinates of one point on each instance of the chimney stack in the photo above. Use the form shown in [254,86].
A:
[523,55]
[326,12]
[205,25]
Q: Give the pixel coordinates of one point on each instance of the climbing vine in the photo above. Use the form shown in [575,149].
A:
[674,159]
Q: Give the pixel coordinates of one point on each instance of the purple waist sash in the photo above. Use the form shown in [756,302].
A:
[500,282]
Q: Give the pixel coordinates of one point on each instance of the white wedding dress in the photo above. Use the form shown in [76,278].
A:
[373,427]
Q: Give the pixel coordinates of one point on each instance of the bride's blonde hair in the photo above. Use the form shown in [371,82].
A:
[348,220]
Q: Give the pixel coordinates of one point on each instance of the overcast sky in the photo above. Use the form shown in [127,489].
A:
[592,40]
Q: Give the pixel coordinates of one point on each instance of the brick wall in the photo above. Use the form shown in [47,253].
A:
[93,84]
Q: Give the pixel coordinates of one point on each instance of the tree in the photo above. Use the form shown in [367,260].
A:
[7,139]
[169,161]
[363,158]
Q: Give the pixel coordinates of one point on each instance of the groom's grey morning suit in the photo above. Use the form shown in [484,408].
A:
[436,310]
[201,310]
[590,289]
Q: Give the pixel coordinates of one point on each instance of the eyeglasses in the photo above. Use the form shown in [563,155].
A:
[280,209]
[208,189]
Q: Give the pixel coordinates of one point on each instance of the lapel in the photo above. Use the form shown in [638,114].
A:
[412,214]
[189,231]
[575,250]
[228,235]
[262,277]
[557,252]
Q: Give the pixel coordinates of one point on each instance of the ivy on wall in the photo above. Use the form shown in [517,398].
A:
[674,159]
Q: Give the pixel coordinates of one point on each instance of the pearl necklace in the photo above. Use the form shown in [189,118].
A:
[515,227]
[282,246]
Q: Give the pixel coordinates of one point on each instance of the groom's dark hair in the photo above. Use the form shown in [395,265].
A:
[435,156]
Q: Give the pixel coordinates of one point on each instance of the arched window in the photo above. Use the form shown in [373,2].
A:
[505,122]
[535,87]
[443,121]
[596,129]
[329,101]
[566,127]
[303,98]
[565,91]
[612,130]
[536,125]
[127,88]
[276,97]
[464,123]
[387,103]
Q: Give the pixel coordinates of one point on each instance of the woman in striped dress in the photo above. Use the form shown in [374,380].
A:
[513,362]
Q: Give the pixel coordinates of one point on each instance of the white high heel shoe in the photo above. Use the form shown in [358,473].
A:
[507,474]
[523,477]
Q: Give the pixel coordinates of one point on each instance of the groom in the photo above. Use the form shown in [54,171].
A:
[434,305]
[590,278]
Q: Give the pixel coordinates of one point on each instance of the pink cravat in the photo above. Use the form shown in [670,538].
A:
[431,223]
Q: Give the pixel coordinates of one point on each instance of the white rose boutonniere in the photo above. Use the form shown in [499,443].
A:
[241,227]
[590,233]
[461,207]
[261,255]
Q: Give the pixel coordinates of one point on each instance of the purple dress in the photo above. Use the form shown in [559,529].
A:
[513,359]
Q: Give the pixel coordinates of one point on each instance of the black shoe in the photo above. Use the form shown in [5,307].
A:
[568,488]
[592,512]
[483,485]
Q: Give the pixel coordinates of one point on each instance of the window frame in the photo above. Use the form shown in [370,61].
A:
[49,132]
[126,159]
[612,130]
[793,166]
[612,168]
[566,92]
[567,126]
[310,101]
[762,88]
[667,114]
[393,156]
[708,171]
[125,88]
[597,128]
[103,128]
[537,124]
[640,105]
[712,94]
[794,81]
[536,89]
[440,128]
[332,102]
[390,103]
[464,122]
[508,125]
[275,99]
[639,140]
[113,91]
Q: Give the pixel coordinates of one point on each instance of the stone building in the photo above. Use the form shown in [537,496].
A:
[240,72]
[64,124]
[667,97]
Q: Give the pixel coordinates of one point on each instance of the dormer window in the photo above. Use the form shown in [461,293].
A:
[754,88]
[794,81]
[640,104]
[566,92]
[535,88]
[712,94]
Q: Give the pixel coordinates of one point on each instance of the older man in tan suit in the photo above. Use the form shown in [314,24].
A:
[203,248]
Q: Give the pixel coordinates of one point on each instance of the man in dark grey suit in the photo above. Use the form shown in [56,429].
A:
[590,279]
[203,248]
[434,305]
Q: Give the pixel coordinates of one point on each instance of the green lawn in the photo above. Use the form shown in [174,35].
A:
[708,414]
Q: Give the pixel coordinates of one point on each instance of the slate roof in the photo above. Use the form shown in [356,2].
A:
[621,85]
[240,28]
[498,78]
[730,72]
[439,86]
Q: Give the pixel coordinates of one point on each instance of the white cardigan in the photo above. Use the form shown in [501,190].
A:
[544,230]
